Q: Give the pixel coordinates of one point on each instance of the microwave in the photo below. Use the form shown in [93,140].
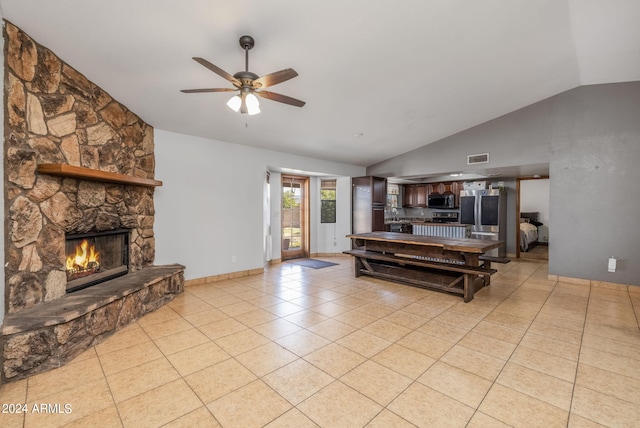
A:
[436,200]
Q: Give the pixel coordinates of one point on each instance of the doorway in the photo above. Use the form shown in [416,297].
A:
[295,217]
[532,206]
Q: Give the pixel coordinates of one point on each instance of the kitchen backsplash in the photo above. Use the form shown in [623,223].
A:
[409,213]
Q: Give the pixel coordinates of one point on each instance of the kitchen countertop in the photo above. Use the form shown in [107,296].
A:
[437,223]
[419,221]
[407,220]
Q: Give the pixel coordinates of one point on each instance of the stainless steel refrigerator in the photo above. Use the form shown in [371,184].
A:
[369,196]
[486,211]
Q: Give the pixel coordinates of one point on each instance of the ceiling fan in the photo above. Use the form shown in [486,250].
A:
[249,84]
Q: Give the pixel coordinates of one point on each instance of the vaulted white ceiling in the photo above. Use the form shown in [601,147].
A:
[379,78]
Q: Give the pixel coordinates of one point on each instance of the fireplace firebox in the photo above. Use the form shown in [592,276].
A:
[96,257]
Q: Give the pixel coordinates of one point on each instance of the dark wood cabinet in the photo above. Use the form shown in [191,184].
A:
[407,195]
[435,188]
[379,192]
[415,196]
[377,219]
[399,227]
[421,195]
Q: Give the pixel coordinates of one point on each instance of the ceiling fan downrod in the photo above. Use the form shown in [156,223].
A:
[247,44]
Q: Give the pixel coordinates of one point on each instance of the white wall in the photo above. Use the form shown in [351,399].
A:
[211,205]
[534,197]
[330,237]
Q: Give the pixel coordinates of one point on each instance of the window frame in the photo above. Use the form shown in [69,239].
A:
[328,207]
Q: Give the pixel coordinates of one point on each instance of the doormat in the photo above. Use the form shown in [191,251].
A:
[311,263]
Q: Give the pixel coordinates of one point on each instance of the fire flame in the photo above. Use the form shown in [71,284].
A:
[84,257]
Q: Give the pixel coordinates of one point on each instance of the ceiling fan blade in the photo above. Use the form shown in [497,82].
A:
[274,78]
[280,98]
[220,72]
[192,91]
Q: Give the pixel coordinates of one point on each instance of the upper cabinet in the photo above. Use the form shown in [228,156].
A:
[415,195]
[445,187]
[379,196]
[393,193]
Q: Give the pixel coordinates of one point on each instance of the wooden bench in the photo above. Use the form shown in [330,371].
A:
[427,272]
[502,260]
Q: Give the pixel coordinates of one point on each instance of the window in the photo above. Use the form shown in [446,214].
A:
[327,201]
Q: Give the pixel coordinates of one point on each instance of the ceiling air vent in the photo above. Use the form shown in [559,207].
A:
[481,158]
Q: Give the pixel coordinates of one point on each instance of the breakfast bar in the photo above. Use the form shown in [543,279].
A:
[446,264]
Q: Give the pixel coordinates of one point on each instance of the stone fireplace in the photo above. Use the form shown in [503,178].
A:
[79,166]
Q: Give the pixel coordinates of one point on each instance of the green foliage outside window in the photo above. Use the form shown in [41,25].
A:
[289,200]
[327,201]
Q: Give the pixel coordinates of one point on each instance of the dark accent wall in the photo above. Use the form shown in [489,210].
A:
[594,183]
[590,137]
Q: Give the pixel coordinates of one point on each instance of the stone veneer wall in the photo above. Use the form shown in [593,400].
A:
[53,114]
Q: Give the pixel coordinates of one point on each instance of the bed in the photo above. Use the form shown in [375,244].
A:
[529,230]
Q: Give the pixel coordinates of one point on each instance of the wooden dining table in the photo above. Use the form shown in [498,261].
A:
[453,265]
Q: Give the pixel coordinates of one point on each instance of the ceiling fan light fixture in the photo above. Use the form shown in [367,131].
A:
[253,105]
[247,82]
[234,103]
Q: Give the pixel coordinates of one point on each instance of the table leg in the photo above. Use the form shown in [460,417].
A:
[469,287]
[487,278]
[358,265]
[470,279]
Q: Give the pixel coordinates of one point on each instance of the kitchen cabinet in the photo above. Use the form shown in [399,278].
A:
[369,195]
[379,190]
[415,196]
[399,227]
[393,193]
[447,187]
[377,219]
[408,199]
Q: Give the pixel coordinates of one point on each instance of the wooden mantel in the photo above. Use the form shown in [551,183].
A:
[64,170]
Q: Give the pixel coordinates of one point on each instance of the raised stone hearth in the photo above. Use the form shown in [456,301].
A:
[49,335]
[76,161]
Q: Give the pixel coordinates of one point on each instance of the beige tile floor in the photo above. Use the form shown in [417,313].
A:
[298,347]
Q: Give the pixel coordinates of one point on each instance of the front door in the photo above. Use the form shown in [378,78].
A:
[295,214]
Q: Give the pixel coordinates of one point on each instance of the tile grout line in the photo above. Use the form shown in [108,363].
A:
[575,379]
[113,399]
[493,383]
[181,376]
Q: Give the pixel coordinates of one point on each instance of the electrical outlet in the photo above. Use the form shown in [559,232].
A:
[234,259]
[335,243]
[612,264]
